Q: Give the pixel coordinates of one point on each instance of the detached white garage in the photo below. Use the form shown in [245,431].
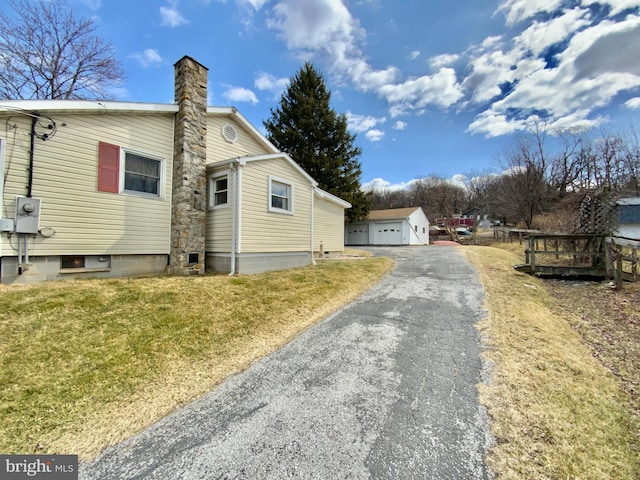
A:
[396,226]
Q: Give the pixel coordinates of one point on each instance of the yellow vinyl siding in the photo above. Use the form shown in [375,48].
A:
[219,220]
[218,149]
[265,231]
[88,222]
[328,226]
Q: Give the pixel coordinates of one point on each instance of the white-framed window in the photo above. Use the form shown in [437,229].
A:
[280,196]
[142,173]
[219,190]
[124,170]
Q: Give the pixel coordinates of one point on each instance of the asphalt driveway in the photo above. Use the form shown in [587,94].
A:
[383,389]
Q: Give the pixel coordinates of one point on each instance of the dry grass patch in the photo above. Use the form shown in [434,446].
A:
[84,364]
[556,411]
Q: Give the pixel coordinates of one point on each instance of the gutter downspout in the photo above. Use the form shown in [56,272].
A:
[241,163]
[236,212]
[313,207]
[234,219]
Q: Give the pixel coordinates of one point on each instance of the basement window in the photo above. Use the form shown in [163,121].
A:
[71,262]
[85,263]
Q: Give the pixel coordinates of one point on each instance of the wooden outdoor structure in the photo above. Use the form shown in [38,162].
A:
[581,255]
[622,259]
[521,234]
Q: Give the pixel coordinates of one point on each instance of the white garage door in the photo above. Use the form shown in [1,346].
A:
[388,234]
[358,235]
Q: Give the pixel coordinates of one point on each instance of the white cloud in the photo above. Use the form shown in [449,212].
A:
[593,63]
[556,57]
[399,125]
[518,10]
[541,35]
[148,57]
[171,17]
[362,123]
[266,81]
[326,28]
[312,24]
[617,6]
[633,103]
[459,180]
[444,60]
[239,94]
[255,4]
[380,184]
[374,135]
[441,89]
[269,83]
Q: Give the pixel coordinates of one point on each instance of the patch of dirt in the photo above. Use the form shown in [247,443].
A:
[609,322]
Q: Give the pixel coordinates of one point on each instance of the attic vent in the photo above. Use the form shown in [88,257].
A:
[229,133]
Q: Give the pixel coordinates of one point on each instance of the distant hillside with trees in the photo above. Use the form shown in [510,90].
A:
[544,177]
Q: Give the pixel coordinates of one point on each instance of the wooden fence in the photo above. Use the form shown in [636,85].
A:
[622,259]
[588,255]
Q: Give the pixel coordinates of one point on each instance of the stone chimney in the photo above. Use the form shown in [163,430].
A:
[189,198]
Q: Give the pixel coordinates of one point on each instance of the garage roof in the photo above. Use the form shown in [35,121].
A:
[391,213]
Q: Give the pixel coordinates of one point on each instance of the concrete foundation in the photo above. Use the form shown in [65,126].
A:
[248,263]
[49,268]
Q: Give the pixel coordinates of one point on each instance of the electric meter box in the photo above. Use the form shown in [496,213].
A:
[27,215]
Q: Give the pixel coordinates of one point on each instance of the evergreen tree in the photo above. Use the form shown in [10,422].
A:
[316,137]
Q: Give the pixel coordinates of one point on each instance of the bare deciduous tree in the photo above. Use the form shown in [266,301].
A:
[524,182]
[566,164]
[46,53]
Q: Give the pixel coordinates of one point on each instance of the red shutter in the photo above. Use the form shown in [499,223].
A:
[109,168]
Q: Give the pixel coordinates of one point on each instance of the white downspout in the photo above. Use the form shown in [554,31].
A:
[236,212]
[241,163]
[234,220]
[313,207]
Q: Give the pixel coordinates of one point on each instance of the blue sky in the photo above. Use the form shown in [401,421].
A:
[429,86]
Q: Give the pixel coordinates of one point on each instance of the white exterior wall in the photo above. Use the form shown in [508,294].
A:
[421,236]
[86,221]
[409,235]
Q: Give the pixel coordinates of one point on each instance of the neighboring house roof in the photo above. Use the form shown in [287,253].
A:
[629,210]
[629,201]
[392,213]
[100,107]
